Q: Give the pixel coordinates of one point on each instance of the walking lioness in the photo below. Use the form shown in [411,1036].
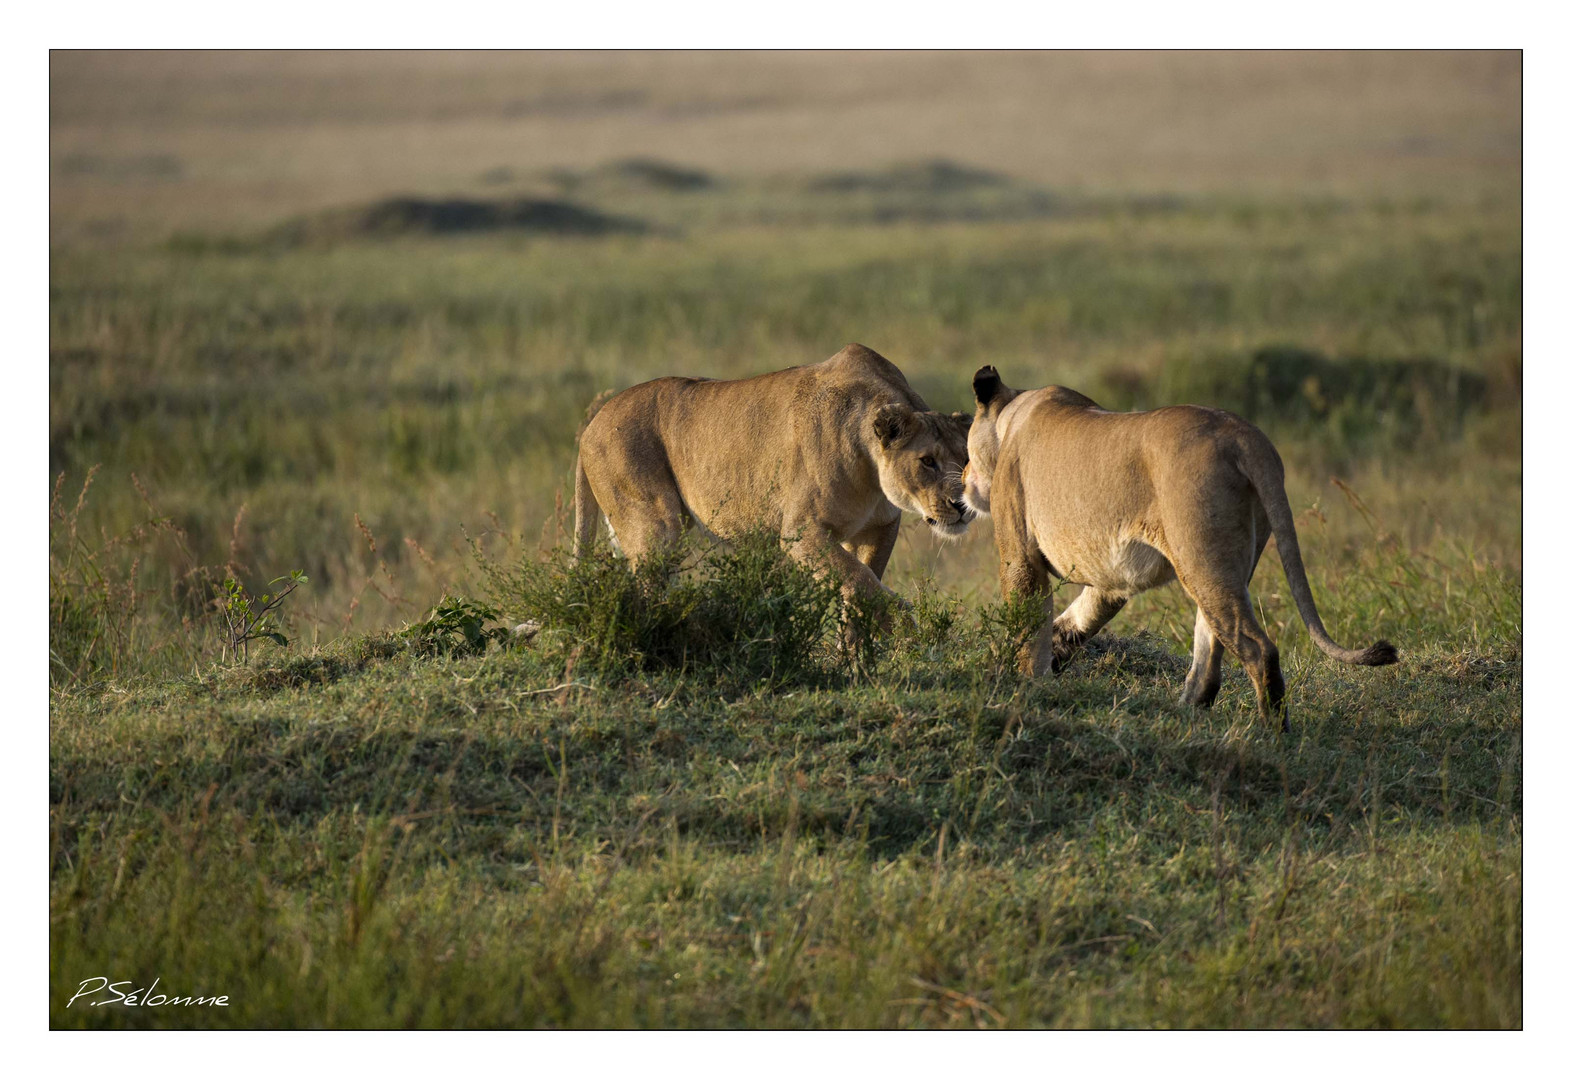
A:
[1123,502]
[827,455]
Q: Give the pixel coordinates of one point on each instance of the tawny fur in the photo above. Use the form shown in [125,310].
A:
[1124,502]
[826,455]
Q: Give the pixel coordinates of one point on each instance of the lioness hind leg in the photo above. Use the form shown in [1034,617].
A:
[1233,623]
[1088,613]
[643,527]
[1206,666]
[1216,547]
[628,476]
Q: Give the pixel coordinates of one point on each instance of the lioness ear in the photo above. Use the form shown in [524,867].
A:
[987,385]
[963,420]
[891,421]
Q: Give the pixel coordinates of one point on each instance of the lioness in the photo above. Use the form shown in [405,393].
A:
[828,455]
[1123,502]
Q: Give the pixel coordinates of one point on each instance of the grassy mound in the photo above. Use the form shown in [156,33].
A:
[416,216]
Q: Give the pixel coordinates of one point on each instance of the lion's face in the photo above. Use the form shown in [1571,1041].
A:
[920,456]
[982,440]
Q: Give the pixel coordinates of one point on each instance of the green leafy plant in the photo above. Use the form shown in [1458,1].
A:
[745,615]
[1009,626]
[456,626]
[935,620]
[867,621]
[250,618]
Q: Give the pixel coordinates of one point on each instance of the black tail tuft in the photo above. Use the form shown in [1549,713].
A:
[1378,655]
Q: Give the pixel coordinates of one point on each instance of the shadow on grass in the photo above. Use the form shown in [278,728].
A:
[1008,765]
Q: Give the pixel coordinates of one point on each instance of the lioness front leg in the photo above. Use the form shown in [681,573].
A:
[872,546]
[1023,572]
[1026,579]
[817,549]
[1087,614]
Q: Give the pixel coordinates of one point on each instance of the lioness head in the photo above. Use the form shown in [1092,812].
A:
[982,441]
[920,456]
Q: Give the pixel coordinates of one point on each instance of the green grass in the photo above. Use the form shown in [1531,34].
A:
[646,818]
[374,837]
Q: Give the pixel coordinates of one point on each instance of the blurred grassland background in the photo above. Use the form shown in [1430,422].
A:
[330,311]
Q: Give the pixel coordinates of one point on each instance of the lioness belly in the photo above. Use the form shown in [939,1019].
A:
[1123,566]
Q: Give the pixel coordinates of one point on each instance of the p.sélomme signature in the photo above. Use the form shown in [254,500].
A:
[111,993]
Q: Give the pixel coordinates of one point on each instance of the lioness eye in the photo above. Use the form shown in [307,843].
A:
[928,462]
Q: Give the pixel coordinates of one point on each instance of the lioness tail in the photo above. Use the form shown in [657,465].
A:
[1264,469]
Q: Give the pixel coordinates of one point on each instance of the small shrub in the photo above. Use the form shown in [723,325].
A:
[935,620]
[745,615]
[456,627]
[250,618]
[866,621]
[1009,626]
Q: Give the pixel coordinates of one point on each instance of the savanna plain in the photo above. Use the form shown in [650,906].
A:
[341,316]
